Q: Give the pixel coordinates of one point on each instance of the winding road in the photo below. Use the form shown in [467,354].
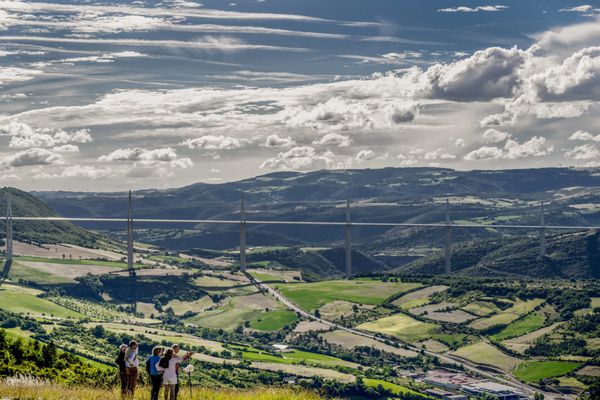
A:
[524,388]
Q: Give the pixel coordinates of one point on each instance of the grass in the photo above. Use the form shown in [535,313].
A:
[507,316]
[595,302]
[310,296]
[523,326]
[401,326]
[392,387]
[481,308]
[407,305]
[181,307]
[486,354]
[69,261]
[292,357]
[274,320]
[534,371]
[266,277]
[56,392]
[22,300]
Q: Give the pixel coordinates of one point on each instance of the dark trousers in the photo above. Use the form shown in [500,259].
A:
[177,387]
[132,377]
[123,379]
[156,384]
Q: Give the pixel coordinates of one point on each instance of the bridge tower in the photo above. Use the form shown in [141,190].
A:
[448,244]
[9,237]
[348,241]
[130,255]
[542,231]
[243,234]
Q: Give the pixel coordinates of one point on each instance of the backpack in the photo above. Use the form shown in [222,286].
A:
[148,367]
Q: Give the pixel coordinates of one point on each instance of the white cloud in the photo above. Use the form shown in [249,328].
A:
[465,9]
[585,136]
[583,152]
[365,155]
[33,156]
[495,136]
[161,159]
[25,136]
[298,158]
[80,171]
[66,148]
[276,141]
[534,147]
[439,154]
[334,139]
[583,8]
[14,74]
[211,142]
[460,142]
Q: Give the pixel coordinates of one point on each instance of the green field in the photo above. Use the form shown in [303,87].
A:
[401,326]
[292,357]
[25,301]
[266,277]
[114,264]
[310,296]
[595,302]
[481,308]
[534,371]
[507,316]
[523,326]
[274,320]
[236,311]
[484,353]
[396,389]
[27,273]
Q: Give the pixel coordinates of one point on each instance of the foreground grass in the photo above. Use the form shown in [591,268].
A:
[55,392]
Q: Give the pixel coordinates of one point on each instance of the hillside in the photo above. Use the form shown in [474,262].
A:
[42,232]
[572,255]
[380,195]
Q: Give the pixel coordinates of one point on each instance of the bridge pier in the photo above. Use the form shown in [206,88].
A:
[9,237]
[243,235]
[542,231]
[130,254]
[448,244]
[348,241]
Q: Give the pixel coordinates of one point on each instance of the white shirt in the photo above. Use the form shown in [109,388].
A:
[131,358]
[171,371]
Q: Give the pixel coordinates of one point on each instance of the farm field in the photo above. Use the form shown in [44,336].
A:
[481,308]
[401,326]
[306,371]
[273,320]
[236,311]
[349,340]
[269,274]
[181,307]
[418,297]
[310,296]
[522,343]
[159,335]
[20,300]
[534,371]
[394,388]
[486,354]
[507,316]
[595,302]
[527,324]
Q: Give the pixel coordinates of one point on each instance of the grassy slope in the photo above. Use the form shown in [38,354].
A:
[533,371]
[394,388]
[310,296]
[507,316]
[25,301]
[484,353]
[401,326]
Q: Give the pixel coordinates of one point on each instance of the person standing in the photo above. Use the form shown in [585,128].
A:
[155,375]
[176,349]
[120,361]
[132,363]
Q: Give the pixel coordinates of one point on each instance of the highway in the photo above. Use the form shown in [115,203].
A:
[524,388]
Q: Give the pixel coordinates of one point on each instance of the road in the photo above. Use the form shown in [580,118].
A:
[524,388]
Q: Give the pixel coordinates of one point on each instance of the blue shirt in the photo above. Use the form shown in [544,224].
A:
[153,361]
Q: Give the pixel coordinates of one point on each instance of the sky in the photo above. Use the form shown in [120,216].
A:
[114,95]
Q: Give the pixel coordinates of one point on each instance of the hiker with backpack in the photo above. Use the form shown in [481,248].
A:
[152,368]
[120,361]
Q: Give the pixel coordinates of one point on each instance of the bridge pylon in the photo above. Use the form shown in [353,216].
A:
[243,234]
[9,237]
[448,243]
[348,241]
[130,254]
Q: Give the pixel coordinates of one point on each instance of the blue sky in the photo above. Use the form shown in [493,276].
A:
[110,95]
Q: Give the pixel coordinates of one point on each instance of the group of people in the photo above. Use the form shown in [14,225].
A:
[162,366]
